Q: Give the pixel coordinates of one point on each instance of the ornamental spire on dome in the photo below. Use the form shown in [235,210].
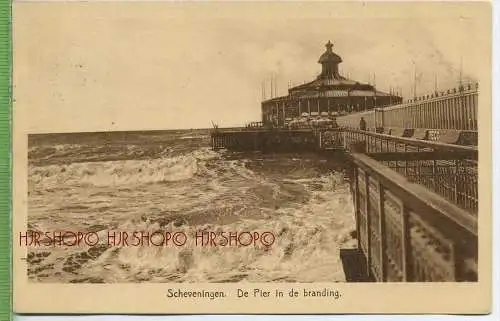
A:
[329,46]
[330,63]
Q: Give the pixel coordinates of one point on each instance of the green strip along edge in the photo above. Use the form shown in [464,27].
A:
[5,160]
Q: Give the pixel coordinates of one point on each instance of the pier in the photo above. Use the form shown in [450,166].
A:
[413,177]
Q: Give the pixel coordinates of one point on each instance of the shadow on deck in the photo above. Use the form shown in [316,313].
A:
[354,264]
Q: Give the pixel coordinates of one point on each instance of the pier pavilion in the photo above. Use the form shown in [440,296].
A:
[328,95]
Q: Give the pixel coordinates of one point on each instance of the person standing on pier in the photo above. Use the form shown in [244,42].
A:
[362,124]
[334,123]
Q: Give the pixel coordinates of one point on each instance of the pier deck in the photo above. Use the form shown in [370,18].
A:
[415,200]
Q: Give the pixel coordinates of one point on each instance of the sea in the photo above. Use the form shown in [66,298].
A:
[84,187]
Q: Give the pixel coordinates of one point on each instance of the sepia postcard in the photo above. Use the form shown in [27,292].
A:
[251,157]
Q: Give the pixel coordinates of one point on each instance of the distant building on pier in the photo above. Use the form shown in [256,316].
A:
[330,94]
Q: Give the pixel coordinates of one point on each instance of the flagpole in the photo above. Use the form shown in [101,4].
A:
[271,87]
[415,81]
[461,63]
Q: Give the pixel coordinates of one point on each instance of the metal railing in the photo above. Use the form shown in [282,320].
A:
[452,109]
[448,170]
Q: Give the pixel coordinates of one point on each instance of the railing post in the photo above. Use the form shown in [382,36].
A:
[406,244]
[455,180]
[368,224]
[434,183]
[356,204]
[383,239]
[406,161]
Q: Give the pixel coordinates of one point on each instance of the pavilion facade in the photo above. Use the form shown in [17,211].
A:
[327,96]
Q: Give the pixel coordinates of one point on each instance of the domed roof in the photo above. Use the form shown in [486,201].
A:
[329,55]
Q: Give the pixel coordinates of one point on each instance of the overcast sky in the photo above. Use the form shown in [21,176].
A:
[162,66]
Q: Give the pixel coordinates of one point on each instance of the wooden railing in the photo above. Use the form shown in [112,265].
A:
[408,233]
[416,207]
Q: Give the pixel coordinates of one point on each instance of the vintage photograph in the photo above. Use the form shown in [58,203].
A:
[189,144]
[281,197]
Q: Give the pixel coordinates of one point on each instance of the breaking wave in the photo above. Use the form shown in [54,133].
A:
[123,172]
[309,212]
